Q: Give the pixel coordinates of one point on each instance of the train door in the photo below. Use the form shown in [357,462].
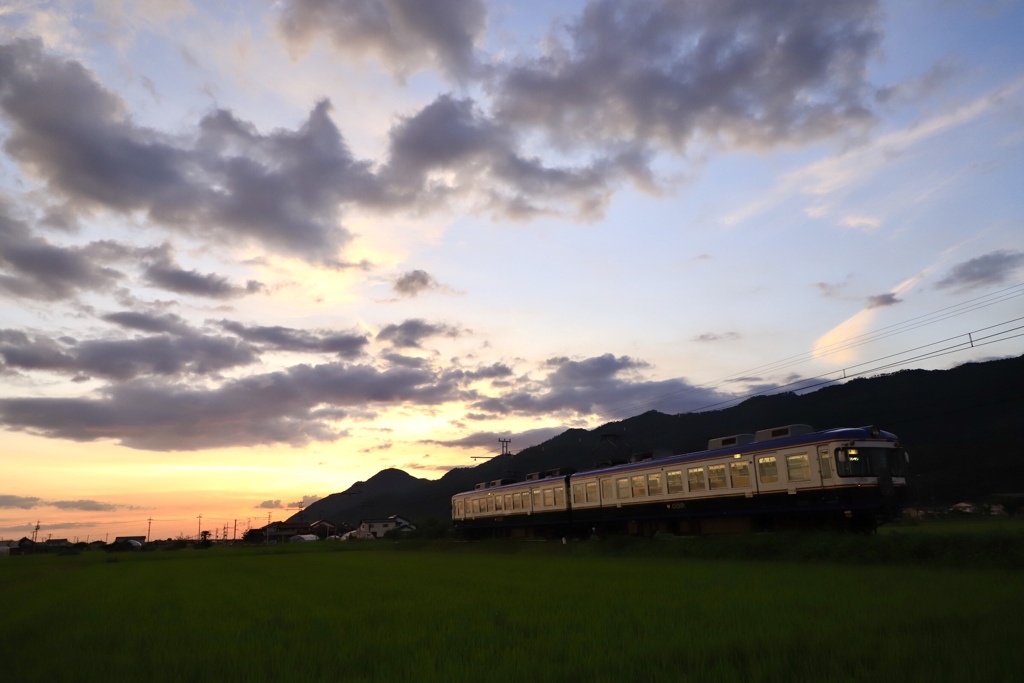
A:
[825,466]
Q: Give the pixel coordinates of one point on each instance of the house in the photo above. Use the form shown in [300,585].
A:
[378,527]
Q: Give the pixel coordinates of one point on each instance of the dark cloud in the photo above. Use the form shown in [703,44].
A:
[414,282]
[828,289]
[492,371]
[346,345]
[33,268]
[603,385]
[29,502]
[24,352]
[404,36]
[147,322]
[185,352]
[87,505]
[452,137]
[230,182]
[166,274]
[305,502]
[20,502]
[303,403]
[53,526]
[282,407]
[161,355]
[271,505]
[716,336]
[405,361]
[649,72]
[913,90]
[995,268]
[410,333]
[881,300]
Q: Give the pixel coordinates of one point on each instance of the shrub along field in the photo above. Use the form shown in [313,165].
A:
[620,610]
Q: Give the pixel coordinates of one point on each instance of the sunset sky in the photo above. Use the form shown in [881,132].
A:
[253,252]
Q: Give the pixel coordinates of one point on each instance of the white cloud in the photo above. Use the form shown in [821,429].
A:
[865,223]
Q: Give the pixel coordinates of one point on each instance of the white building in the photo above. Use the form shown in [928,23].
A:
[378,527]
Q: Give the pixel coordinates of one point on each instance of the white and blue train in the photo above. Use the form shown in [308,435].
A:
[784,477]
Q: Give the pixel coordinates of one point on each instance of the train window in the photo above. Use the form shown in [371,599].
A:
[490,505]
[798,468]
[898,462]
[559,495]
[826,465]
[549,498]
[577,493]
[716,477]
[508,501]
[869,462]
[638,485]
[768,469]
[591,491]
[675,481]
[476,506]
[695,478]
[536,499]
[654,484]
[499,504]
[517,501]
[622,487]
[740,473]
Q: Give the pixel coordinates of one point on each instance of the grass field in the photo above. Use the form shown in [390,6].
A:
[504,612]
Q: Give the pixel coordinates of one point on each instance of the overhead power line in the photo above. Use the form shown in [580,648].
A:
[917,322]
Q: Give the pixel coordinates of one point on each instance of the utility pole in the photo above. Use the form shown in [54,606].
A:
[234,531]
[199,536]
[149,528]
[268,528]
[35,532]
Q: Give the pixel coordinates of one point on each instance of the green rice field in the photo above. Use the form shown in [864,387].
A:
[528,611]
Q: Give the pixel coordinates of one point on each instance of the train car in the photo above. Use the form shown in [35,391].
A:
[784,477]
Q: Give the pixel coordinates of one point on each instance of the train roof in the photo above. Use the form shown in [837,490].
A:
[806,438]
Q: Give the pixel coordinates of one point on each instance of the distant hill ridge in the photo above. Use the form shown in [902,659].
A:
[963,427]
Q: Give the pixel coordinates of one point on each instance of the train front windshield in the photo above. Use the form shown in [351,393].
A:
[871,462]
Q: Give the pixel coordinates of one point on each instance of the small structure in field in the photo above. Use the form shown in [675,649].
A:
[303,538]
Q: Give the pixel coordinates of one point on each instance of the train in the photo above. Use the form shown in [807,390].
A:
[852,478]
